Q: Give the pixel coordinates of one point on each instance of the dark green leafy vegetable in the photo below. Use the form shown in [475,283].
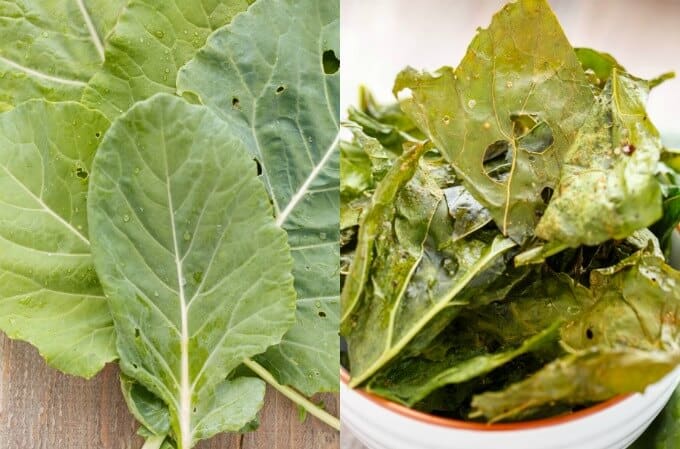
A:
[252,294]
[550,146]
[607,186]
[513,95]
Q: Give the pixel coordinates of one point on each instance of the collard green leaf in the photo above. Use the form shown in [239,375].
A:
[378,219]
[520,97]
[50,48]
[273,73]
[414,379]
[670,187]
[149,44]
[400,303]
[597,65]
[547,298]
[49,292]
[195,269]
[628,339]
[607,186]
[585,377]
[468,214]
[636,306]
[355,165]
[151,412]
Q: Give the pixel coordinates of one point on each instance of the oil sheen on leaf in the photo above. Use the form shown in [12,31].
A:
[607,187]
[518,97]
[196,271]
[49,292]
[265,74]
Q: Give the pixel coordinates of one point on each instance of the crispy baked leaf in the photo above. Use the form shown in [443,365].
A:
[412,292]
[412,380]
[468,214]
[273,73]
[378,219]
[50,48]
[355,166]
[670,187]
[637,305]
[196,271]
[607,186]
[49,292]
[546,299]
[585,377]
[149,44]
[628,339]
[517,96]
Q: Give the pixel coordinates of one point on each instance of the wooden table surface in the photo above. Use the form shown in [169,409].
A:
[41,408]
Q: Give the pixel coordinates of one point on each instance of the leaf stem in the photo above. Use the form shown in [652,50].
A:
[293,395]
[154,442]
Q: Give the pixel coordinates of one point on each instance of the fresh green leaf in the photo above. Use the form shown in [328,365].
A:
[269,74]
[151,412]
[608,187]
[517,97]
[49,292]
[414,379]
[150,42]
[195,268]
[50,48]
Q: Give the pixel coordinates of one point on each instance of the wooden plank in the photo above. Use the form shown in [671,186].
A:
[41,408]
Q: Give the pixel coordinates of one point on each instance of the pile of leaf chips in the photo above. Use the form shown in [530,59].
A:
[505,229]
[168,199]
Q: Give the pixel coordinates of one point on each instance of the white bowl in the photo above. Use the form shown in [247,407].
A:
[615,424]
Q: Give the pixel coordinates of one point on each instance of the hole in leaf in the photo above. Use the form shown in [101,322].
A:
[259,166]
[546,194]
[136,333]
[498,160]
[82,173]
[280,89]
[534,136]
[589,334]
[331,63]
[235,103]
[522,123]
[134,365]
[97,135]
[322,314]
[195,409]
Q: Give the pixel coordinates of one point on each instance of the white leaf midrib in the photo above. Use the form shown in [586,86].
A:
[38,74]
[96,40]
[186,436]
[44,207]
[304,188]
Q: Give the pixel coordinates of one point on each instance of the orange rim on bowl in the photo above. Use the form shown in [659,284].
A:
[468,425]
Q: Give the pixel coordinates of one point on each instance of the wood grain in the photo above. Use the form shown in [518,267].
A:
[41,408]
